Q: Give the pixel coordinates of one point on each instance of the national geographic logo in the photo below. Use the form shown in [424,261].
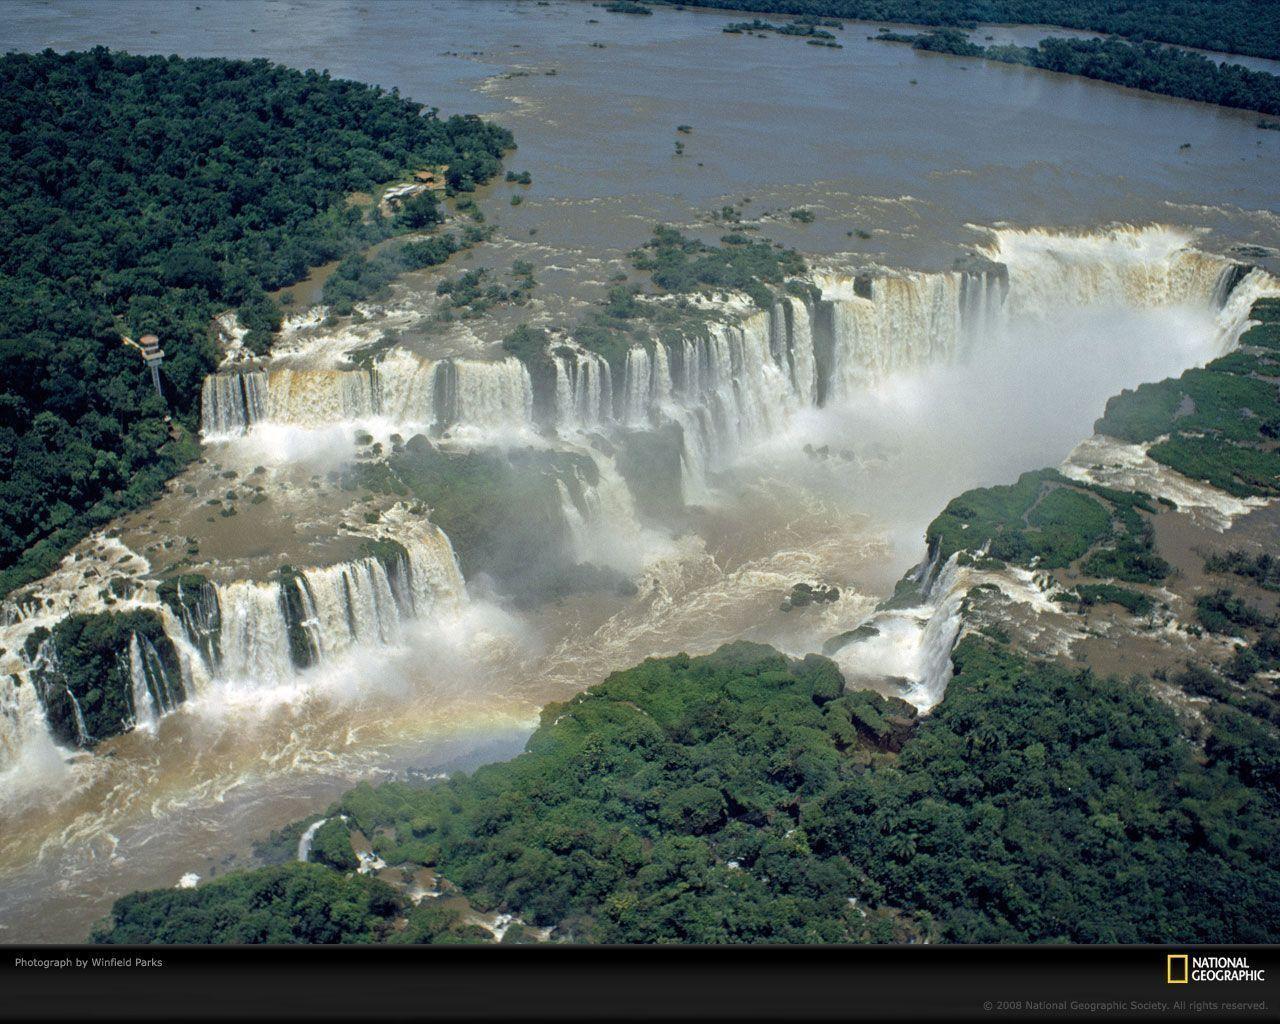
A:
[1183,968]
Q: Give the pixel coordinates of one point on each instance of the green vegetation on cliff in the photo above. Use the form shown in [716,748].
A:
[146,194]
[1222,422]
[84,676]
[685,265]
[306,903]
[682,269]
[1048,521]
[742,797]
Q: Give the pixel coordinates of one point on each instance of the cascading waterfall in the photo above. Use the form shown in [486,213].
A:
[230,403]
[736,383]
[404,388]
[83,739]
[584,390]
[646,385]
[400,388]
[1135,267]
[1233,314]
[600,513]
[307,838]
[152,691]
[257,634]
[727,386]
[319,398]
[145,711]
[484,395]
[254,642]
[920,313]
[938,637]
[24,732]
[269,630]
[913,644]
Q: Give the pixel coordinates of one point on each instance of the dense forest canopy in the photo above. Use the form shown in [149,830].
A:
[1231,26]
[743,797]
[146,194]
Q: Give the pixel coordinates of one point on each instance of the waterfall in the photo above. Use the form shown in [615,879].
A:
[646,385]
[1124,266]
[254,641]
[897,322]
[151,690]
[938,638]
[435,578]
[46,674]
[25,740]
[486,395]
[926,572]
[145,710]
[1233,315]
[908,321]
[575,519]
[727,386]
[230,403]
[199,613]
[352,603]
[268,630]
[307,838]
[913,645]
[83,739]
[405,387]
[401,388]
[584,390]
[601,515]
[799,351]
[319,398]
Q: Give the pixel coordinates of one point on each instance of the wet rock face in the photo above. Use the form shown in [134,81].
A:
[850,636]
[804,594]
[975,263]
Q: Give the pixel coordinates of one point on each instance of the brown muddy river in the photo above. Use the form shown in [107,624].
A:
[907,160]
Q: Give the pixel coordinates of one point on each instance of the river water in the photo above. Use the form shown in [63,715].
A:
[922,153]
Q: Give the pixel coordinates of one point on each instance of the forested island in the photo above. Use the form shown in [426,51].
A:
[1146,66]
[1232,26]
[145,195]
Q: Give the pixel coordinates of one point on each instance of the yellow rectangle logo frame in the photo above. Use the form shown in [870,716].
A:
[1185,973]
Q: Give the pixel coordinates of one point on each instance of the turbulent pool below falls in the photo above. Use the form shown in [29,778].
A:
[816,440]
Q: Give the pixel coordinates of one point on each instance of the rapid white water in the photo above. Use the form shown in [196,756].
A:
[242,634]
[307,838]
[268,631]
[475,396]
[744,379]
[735,385]
[153,692]
[230,402]
[584,390]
